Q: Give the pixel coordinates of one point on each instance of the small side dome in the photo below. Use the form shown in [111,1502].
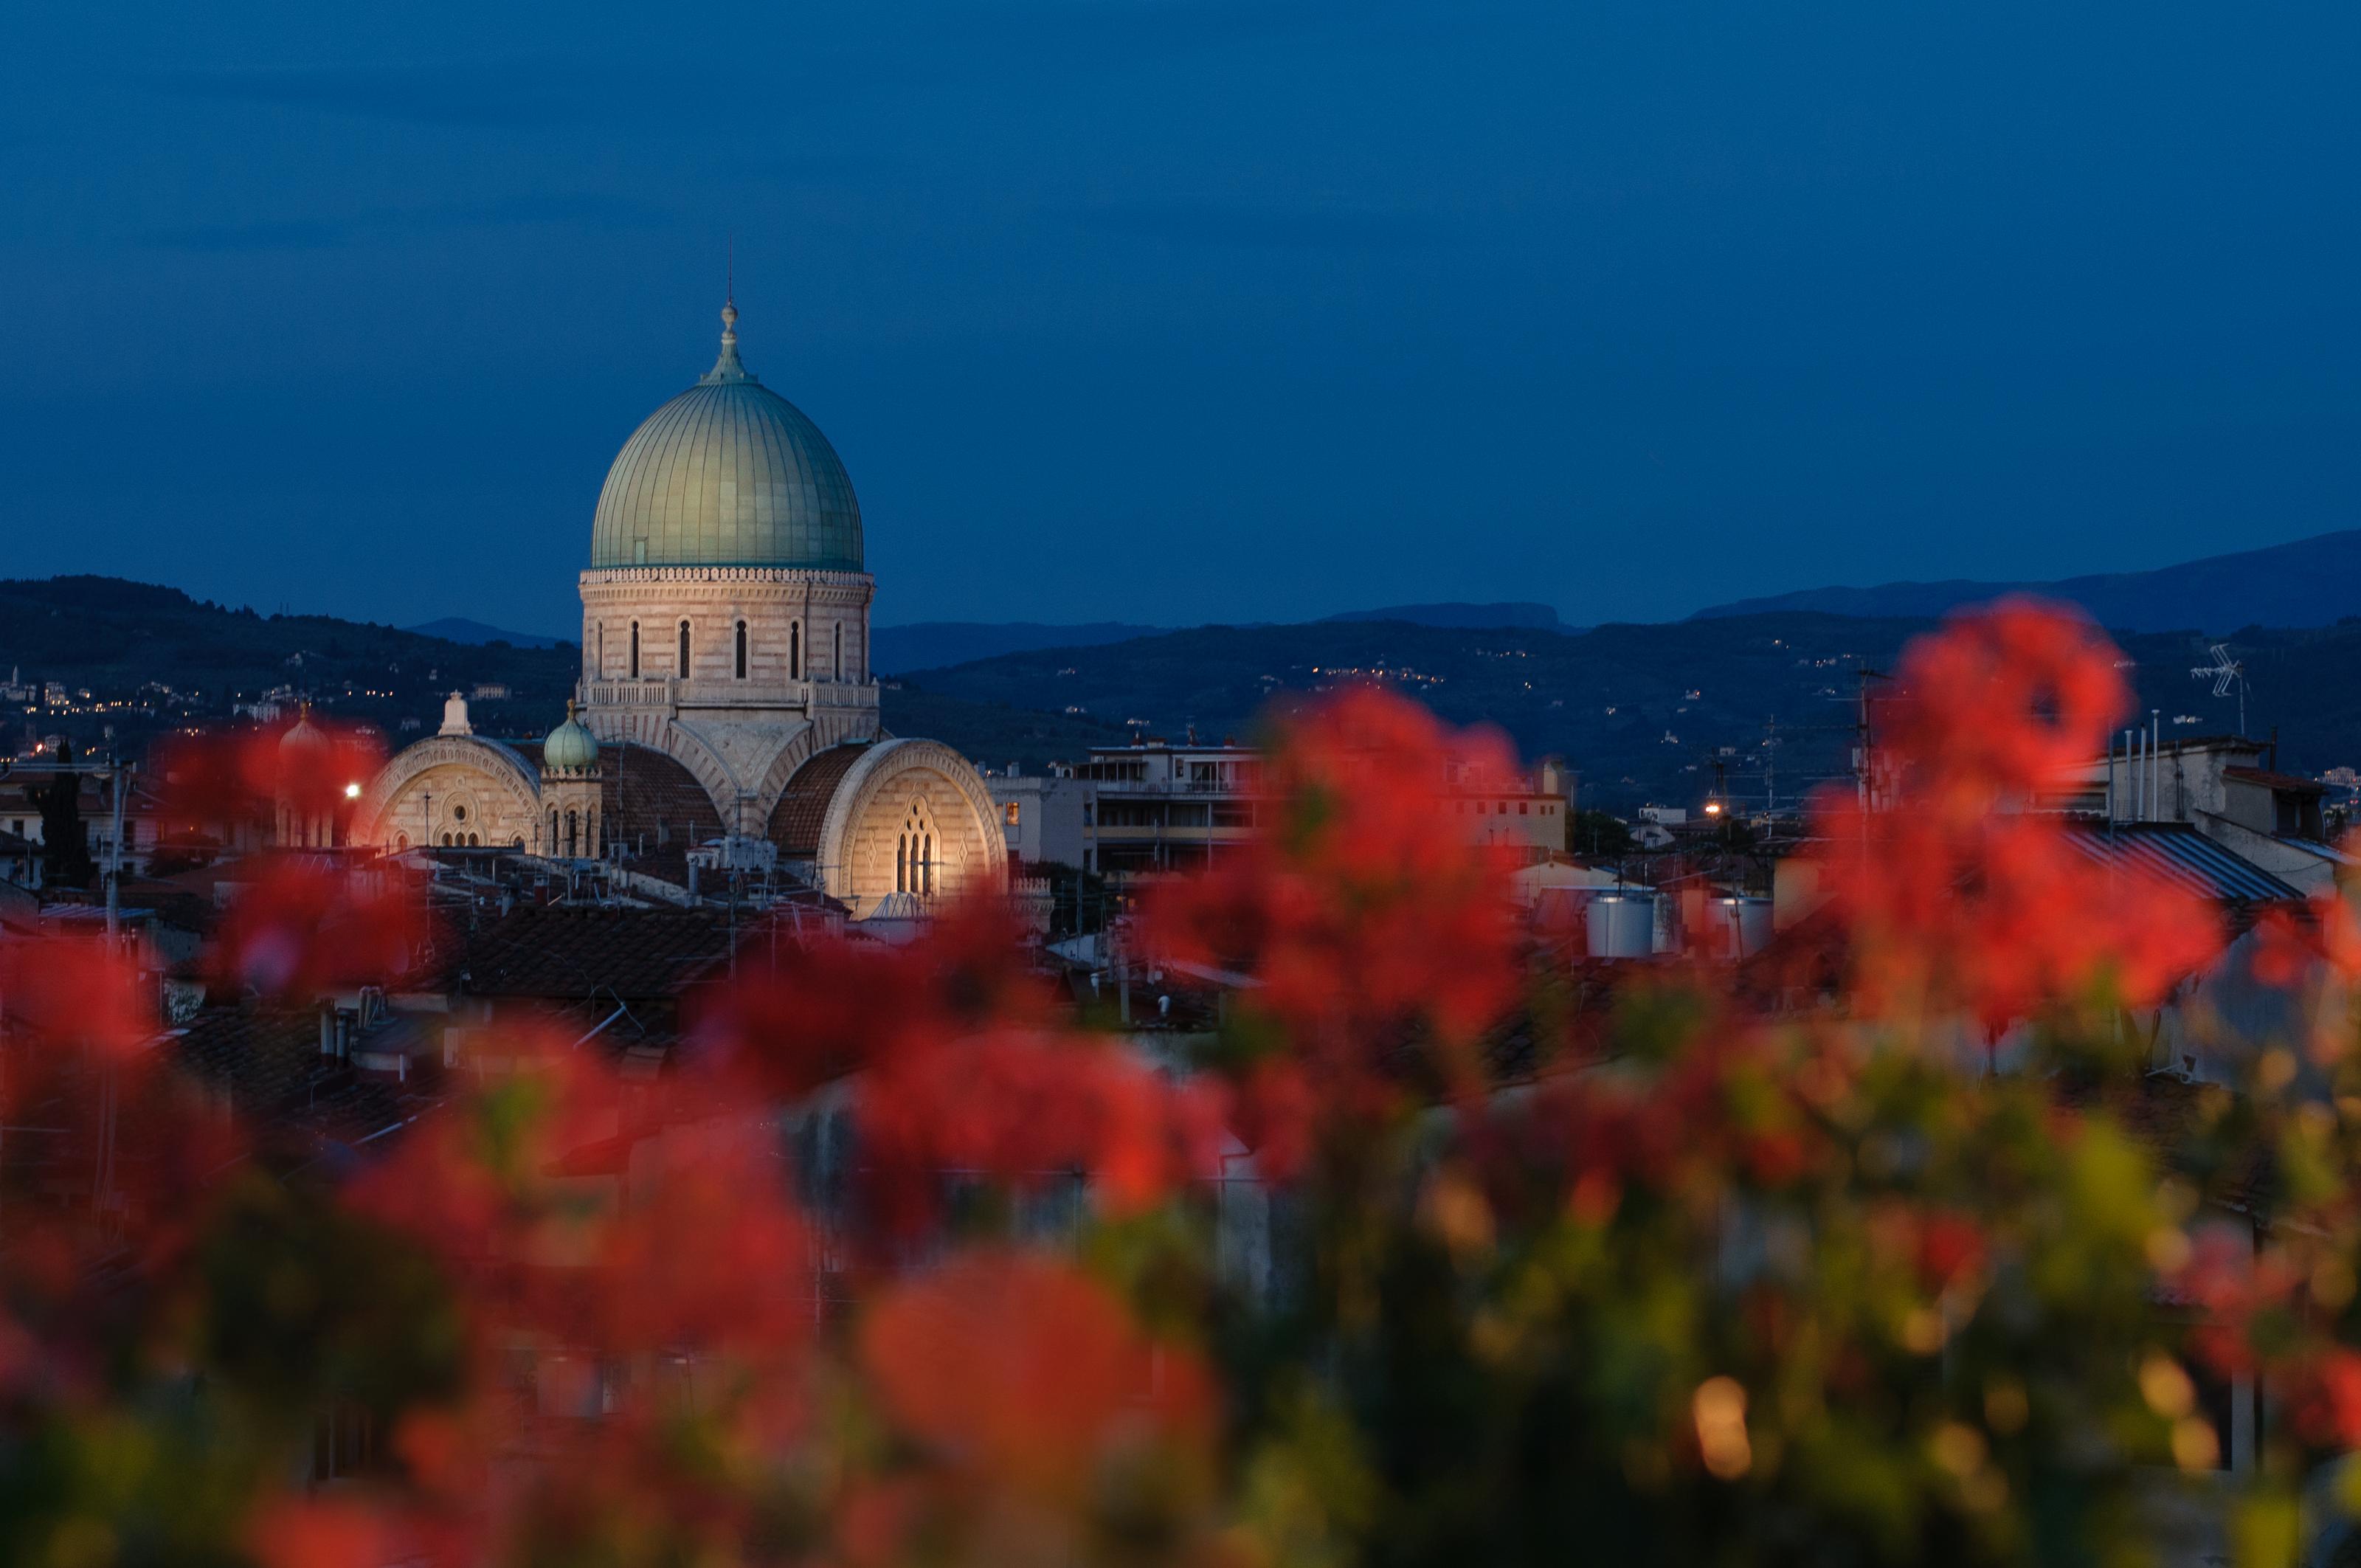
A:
[303,738]
[570,747]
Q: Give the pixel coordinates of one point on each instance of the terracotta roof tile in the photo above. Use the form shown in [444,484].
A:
[561,952]
[796,820]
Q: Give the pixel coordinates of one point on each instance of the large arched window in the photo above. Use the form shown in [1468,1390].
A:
[795,650]
[913,856]
[635,650]
[573,833]
[683,667]
[741,650]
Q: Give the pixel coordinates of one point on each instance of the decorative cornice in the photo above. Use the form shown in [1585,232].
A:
[602,576]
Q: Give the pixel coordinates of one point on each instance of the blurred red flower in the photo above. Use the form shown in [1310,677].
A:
[1377,938]
[1955,893]
[306,924]
[1027,1371]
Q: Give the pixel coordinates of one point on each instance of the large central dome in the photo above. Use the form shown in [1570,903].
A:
[727,473]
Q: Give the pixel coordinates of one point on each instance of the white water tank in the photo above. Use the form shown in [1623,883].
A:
[1622,925]
[1741,926]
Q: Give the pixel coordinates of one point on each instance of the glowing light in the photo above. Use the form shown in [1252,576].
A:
[1713,808]
[352,792]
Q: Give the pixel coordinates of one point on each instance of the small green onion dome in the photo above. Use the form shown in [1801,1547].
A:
[571,748]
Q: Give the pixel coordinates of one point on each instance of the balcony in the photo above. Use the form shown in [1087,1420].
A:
[628,693]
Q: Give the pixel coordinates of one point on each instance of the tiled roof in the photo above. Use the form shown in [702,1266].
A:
[796,820]
[649,798]
[269,1065]
[646,796]
[569,952]
[2180,854]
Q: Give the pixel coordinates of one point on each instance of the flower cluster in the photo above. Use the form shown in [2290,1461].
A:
[906,1258]
[1376,947]
[1956,892]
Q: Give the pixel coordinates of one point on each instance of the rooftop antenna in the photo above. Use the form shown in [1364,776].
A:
[2226,672]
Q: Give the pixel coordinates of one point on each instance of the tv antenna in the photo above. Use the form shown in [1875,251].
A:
[2226,672]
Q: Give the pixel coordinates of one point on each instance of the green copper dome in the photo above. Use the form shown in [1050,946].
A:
[727,473]
[570,747]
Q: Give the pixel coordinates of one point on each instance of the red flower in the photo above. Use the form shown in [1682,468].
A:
[953,1064]
[304,925]
[1950,1246]
[1374,934]
[76,991]
[315,1533]
[2328,1407]
[1024,1369]
[1954,893]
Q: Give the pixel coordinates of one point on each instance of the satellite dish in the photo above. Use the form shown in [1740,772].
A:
[2225,673]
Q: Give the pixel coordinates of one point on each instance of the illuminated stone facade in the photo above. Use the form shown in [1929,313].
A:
[725,631]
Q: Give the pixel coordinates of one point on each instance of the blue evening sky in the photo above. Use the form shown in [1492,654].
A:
[1184,309]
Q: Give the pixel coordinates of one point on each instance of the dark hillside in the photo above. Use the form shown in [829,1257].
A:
[152,657]
[1643,712]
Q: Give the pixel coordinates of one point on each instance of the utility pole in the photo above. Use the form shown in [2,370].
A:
[1863,743]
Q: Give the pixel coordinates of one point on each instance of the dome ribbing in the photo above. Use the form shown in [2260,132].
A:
[727,473]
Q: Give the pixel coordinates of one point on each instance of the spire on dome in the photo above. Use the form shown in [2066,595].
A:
[727,367]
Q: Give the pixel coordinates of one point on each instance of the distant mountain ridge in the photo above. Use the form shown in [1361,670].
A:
[2309,583]
[937,644]
[927,644]
[1463,617]
[475,634]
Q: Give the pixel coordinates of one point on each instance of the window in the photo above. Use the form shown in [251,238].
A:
[1521,808]
[741,650]
[836,668]
[459,814]
[602,650]
[635,650]
[682,669]
[1008,813]
[795,650]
